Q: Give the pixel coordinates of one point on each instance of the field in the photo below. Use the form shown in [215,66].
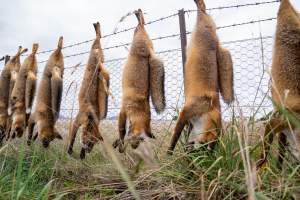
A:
[228,172]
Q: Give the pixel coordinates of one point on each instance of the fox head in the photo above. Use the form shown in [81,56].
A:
[87,138]
[139,130]
[47,133]
[18,125]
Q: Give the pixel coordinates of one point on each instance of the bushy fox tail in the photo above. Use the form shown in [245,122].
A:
[157,84]
[225,69]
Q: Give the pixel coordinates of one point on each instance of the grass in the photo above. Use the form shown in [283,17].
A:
[225,173]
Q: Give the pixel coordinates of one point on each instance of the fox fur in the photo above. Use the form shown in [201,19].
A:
[93,99]
[23,93]
[208,71]
[48,99]
[285,79]
[143,76]
[7,81]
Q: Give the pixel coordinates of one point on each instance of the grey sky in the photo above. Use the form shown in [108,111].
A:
[26,21]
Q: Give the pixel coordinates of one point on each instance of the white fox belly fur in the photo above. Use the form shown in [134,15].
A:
[198,127]
[293,139]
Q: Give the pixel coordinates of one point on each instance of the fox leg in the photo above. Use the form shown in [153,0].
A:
[212,128]
[75,126]
[181,122]
[282,143]
[31,124]
[275,125]
[3,127]
[122,131]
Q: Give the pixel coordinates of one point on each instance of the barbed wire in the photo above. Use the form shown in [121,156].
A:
[241,24]
[155,21]
[237,6]
[169,36]
[108,35]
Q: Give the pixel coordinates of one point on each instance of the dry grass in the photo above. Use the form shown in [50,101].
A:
[225,173]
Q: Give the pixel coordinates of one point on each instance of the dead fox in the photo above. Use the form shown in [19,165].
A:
[7,81]
[285,81]
[23,93]
[143,76]
[208,71]
[48,100]
[93,99]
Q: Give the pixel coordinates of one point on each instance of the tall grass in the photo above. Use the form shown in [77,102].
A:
[225,173]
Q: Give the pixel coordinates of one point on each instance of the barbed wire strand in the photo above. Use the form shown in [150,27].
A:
[237,6]
[108,35]
[158,20]
[170,36]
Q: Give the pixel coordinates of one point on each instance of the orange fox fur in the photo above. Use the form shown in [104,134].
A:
[208,71]
[48,99]
[23,93]
[92,99]
[143,76]
[7,81]
[285,79]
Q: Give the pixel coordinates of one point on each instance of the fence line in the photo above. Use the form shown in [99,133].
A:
[108,35]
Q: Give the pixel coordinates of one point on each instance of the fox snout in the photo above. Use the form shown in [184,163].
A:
[45,143]
[135,141]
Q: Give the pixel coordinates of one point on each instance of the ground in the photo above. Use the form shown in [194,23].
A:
[148,173]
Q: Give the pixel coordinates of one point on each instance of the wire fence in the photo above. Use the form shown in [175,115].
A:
[251,57]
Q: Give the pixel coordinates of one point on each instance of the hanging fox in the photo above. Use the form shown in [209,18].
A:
[23,94]
[93,99]
[285,89]
[143,77]
[48,100]
[7,81]
[208,72]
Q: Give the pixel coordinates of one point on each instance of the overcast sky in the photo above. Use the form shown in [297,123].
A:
[23,22]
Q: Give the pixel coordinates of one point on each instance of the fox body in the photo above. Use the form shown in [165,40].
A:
[48,99]
[7,82]
[93,99]
[208,71]
[285,79]
[143,77]
[23,93]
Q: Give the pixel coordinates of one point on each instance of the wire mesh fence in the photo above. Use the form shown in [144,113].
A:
[251,58]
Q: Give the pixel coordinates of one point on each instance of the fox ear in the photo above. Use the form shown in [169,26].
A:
[58,136]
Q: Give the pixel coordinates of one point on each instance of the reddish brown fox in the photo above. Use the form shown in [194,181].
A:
[48,99]
[7,82]
[143,77]
[23,93]
[208,71]
[285,82]
[93,99]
